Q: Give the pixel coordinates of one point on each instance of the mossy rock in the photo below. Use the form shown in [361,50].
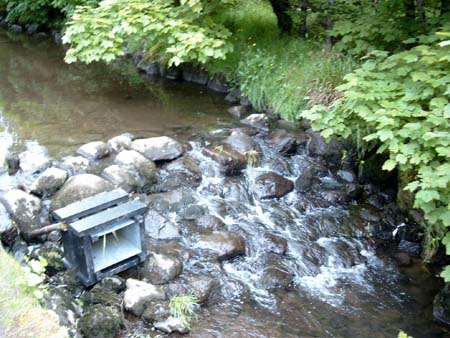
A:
[101,321]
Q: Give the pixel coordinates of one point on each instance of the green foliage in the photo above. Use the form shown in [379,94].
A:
[178,31]
[34,276]
[403,335]
[47,12]
[183,307]
[401,103]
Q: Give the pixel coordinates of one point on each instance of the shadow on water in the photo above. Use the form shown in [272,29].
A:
[341,288]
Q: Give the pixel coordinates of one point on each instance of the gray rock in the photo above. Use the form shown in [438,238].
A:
[122,177]
[12,162]
[242,143]
[159,227]
[100,321]
[16,28]
[94,150]
[171,73]
[210,222]
[275,244]
[120,142]
[113,283]
[347,176]
[195,75]
[31,28]
[158,148]
[149,67]
[191,213]
[335,196]
[139,294]
[441,307]
[160,269]
[171,201]
[75,164]
[49,182]
[233,96]
[258,121]
[32,162]
[308,176]
[183,172]
[272,185]
[24,209]
[78,187]
[170,325]
[275,277]
[411,248]
[282,142]
[218,84]
[156,312]
[200,287]
[224,245]
[331,151]
[8,231]
[239,111]
[145,168]
[231,161]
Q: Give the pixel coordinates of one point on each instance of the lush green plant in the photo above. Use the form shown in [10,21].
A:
[177,31]
[401,103]
[183,307]
[403,335]
[34,276]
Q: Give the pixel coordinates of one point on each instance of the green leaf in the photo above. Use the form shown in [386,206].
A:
[389,165]
[446,274]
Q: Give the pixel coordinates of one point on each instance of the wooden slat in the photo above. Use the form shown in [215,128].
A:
[90,205]
[96,223]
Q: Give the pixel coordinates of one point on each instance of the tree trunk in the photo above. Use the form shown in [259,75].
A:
[280,8]
[421,9]
[330,22]
[445,6]
[304,18]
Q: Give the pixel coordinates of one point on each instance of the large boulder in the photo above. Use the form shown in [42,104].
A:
[79,187]
[159,227]
[272,185]
[122,177]
[145,168]
[257,121]
[224,245]
[100,321]
[94,150]
[32,162]
[282,142]
[158,148]
[231,161]
[160,269]
[183,172]
[139,294]
[24,209]
[242,143]
[49,182]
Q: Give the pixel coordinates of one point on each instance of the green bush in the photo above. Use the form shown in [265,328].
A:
[401,103]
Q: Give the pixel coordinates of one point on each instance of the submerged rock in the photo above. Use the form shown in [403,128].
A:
[231,161]
[78,187]
[158,148]
[139,294]
[282,142]
[275,277]
[32,162]
[275,244]
[159,227]
[210,222]
[49,182]
[94,150]
[24,209]
[100,321]
[224,245]
[272,185]
[160,269]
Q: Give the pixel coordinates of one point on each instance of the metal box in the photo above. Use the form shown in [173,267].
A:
[105,235]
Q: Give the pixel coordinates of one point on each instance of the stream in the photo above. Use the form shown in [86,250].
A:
[339,283]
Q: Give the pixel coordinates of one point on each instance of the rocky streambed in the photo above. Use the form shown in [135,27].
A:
[270,228]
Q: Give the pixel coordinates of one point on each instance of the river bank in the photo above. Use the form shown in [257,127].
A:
[325,209]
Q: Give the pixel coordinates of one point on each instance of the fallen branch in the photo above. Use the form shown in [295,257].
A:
[47,229]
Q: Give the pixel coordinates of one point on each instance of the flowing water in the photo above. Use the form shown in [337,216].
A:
[341,287]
